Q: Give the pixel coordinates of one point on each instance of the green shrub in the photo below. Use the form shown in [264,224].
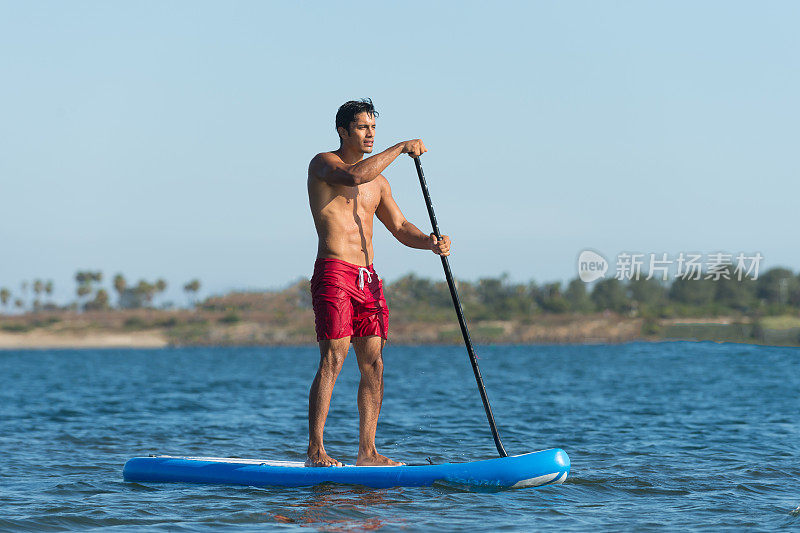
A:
[135,322]
[650,327]
[232,317]
[170,322]
[15,327]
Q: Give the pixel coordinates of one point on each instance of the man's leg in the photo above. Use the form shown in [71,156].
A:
[369,352]
[332,355]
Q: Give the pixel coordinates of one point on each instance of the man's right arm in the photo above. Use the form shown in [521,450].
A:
[331,169]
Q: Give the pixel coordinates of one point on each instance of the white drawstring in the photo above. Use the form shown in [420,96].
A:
[361,271]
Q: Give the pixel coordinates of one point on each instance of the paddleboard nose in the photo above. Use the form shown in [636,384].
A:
[561,458]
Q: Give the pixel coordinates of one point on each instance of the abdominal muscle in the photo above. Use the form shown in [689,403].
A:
[337,242]
[344,227]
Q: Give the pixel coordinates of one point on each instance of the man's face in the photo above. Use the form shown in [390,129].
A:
[361,134]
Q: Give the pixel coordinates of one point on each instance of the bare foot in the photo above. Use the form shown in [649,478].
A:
[376,459]
[321,459]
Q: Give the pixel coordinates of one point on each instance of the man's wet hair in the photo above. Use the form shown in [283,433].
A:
[348,111]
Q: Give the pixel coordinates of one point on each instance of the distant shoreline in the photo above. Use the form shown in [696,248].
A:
[159,328]
[763,311]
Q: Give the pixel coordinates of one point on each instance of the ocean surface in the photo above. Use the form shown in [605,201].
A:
[663,436]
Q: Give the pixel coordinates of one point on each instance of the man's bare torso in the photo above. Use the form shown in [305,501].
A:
[343,216]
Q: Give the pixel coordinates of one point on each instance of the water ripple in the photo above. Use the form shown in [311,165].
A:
[661,436]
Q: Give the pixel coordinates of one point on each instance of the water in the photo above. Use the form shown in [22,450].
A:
[661,436]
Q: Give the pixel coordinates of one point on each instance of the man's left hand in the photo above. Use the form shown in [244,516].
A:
[440,247]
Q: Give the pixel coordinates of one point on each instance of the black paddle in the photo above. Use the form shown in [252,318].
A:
[460,313]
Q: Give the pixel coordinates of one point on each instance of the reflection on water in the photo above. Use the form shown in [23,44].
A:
[344,508]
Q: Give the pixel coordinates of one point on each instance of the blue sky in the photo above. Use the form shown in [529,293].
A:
[172,139]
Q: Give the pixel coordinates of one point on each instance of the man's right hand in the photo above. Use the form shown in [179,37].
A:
[414,148]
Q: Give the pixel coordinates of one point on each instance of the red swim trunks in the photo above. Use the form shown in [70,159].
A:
[348,301]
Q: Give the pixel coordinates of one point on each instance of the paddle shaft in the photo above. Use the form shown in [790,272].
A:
[460,312]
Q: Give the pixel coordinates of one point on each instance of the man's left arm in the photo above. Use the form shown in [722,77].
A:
[404,231]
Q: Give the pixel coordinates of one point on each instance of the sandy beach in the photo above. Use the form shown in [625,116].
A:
[47,339]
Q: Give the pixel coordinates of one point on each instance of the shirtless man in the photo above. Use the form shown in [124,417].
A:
[345,190]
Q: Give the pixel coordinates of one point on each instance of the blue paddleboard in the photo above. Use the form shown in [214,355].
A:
[528,470]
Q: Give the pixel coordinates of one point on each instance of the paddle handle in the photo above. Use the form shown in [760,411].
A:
[460,312]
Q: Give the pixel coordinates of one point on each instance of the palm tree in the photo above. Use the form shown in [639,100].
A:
[145,290]
[82,289]
[192,288]
[5,296]
[81,279]
[38,289]
[24,286]
[120,285]
[85,280]
[48,289]
[161,285]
